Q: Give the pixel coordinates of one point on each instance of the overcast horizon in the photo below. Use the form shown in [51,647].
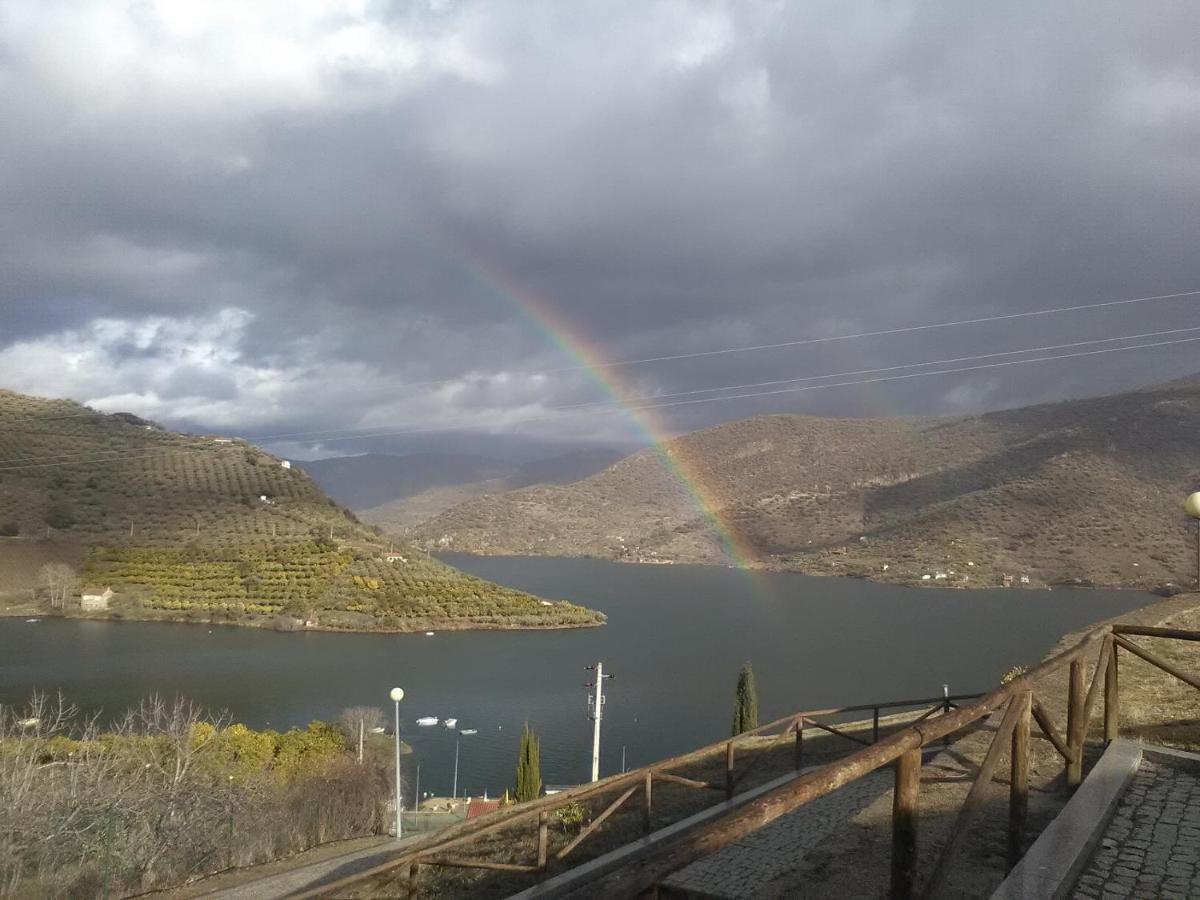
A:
[441,223]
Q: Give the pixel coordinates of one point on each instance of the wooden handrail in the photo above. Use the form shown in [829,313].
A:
[1179,634]
[736,823]
[1158,662]
[765,808]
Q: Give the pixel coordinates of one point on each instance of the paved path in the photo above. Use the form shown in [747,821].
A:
[305,877]
[1151,848]
[741,869]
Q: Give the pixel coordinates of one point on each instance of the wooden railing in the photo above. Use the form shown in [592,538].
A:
[433,851]
[944,718]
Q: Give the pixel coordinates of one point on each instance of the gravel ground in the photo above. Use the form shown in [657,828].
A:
[742,869]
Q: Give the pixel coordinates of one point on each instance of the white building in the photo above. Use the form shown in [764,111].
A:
[94,599]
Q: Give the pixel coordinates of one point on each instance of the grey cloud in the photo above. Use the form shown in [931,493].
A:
[664,179]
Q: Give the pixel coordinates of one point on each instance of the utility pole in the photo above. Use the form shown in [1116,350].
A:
[596,713]
[454,790]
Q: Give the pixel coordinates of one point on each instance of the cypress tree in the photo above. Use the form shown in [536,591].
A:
[529,774]
[745,702]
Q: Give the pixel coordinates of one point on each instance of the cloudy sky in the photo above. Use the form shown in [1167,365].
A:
[418,219]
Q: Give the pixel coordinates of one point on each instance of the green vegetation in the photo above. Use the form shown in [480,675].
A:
[745,702]
[168,793]
[183,526]
[529,772]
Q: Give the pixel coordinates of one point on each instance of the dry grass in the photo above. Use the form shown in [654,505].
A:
[1156,707]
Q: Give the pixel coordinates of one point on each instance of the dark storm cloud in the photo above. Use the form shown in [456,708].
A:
[293,216]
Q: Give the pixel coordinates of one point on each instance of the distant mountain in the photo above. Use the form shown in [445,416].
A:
[397,492]
[1083,491]
[360,482]
[212,528]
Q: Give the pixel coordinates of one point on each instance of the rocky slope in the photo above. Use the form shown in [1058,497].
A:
[1080,491]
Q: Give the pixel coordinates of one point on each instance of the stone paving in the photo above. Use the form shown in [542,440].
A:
[741,869]
[1151,848]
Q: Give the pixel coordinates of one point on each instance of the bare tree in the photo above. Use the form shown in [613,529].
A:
[156,798]
[356,721]
[59,582]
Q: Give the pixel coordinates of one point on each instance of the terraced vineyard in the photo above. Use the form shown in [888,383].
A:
[207,527]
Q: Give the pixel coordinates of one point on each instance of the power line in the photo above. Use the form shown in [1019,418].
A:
[889,331]
[657,406]
[346,434]
[801,342]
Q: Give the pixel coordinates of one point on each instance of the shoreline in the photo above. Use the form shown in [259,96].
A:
[909,582]
[32,612]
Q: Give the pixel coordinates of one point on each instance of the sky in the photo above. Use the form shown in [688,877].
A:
[309,221]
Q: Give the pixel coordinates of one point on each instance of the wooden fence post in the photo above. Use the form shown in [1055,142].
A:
[1076,727]
[1018,794]
[799,743]
[1112,697]
[729,770]
[543,846]
[904,823]
[648,809]
[410,880]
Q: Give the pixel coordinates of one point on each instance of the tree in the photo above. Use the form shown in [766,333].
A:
[59,582]
[356,722]
[745,702]
[529,774]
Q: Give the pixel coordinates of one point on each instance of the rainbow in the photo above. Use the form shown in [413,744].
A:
[588,359]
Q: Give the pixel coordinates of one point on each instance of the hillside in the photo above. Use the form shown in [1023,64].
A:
[183,526]
[1083,491]
[398,492]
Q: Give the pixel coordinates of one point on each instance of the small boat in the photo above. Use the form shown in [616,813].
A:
[450,723]
[469,731]
[426,721]
[429,634]
[378,729]
[33,620]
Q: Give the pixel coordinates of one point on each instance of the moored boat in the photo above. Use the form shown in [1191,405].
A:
[426,721]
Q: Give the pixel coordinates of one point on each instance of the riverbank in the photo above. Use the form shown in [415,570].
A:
[963,575]
[17,609]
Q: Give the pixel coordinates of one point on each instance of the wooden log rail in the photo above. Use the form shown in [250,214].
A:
[1016,701]
[431,850]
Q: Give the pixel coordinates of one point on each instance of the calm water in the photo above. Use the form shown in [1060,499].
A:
[675,640]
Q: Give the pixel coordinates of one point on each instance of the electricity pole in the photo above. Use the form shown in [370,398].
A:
[596,710]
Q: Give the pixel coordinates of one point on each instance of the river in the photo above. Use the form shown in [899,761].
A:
[675,639]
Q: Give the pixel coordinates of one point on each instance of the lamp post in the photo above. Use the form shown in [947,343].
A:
[1192,507]
[397,695]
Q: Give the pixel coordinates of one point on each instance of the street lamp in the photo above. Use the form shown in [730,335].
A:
[1192,507]
[397,695]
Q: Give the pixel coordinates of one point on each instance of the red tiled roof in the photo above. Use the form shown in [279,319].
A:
[477,808]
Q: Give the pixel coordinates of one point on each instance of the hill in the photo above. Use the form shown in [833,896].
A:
[1083,491]
[397,492]
[212,528]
